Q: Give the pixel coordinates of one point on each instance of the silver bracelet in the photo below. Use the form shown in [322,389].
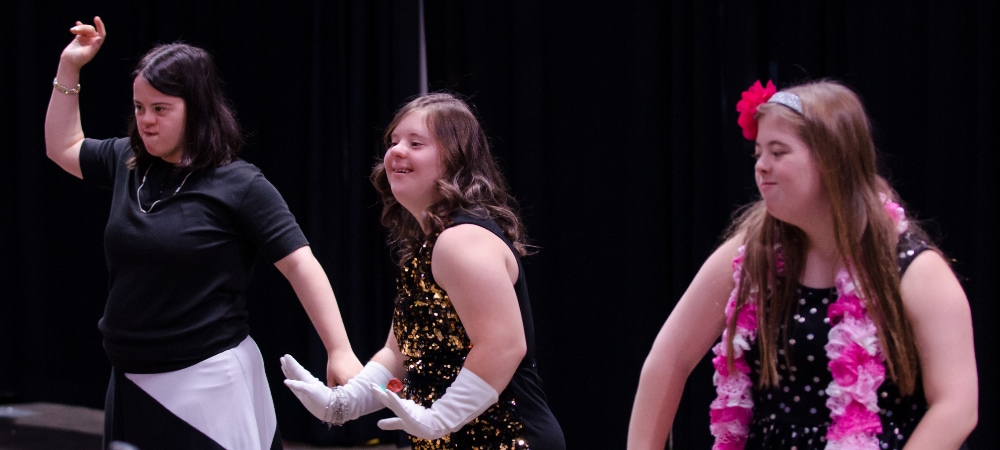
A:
[334,414]
[64,89]
[327,411]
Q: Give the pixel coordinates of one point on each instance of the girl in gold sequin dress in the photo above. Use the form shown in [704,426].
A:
[462,336]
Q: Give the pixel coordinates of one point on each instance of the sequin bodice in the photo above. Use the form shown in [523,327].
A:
[434,345]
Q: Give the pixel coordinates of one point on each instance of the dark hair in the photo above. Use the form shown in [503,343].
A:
[472,181]
[212,137]
[836,129]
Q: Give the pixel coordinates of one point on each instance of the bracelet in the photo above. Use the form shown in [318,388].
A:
[327,411]
[334,414]
[64,89]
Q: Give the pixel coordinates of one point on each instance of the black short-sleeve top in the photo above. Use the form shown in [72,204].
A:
[178,273]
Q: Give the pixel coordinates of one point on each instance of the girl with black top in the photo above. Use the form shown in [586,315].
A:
[188,219]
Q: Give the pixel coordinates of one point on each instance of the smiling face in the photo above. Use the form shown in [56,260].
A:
[160,121]
[413,164]
[787,175]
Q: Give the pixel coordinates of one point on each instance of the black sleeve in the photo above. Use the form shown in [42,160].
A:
[99,160]
[264,213]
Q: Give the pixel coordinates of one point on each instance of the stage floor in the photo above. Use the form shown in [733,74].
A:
[49,426]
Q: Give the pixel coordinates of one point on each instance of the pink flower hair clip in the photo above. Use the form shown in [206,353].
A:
[757,95]
[751,98]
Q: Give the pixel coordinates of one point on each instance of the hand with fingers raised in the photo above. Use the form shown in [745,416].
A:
[335,406]
[86,42]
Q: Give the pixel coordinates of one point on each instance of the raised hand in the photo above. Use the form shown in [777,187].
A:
[85,44]
[313,394]
[340,404]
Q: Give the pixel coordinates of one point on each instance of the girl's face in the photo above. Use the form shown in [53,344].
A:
[413,164]
[787,176]
[160,120]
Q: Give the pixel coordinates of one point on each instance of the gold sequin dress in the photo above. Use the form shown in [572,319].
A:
[434,345]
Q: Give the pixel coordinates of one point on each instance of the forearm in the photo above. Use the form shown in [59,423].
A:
[496,363]
[943,426]
[320,304]
[656,400]
[313,289]
[392,360]
[63,128]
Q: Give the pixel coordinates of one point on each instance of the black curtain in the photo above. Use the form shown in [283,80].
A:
[615,124]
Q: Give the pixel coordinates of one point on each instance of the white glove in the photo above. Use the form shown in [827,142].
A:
[466,398]
[354,398]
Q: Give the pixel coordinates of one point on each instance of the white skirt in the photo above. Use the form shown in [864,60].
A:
[221,402]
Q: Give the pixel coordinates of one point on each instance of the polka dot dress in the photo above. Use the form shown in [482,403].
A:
[795,416]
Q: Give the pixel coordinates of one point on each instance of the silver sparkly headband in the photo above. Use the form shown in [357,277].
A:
[788,99]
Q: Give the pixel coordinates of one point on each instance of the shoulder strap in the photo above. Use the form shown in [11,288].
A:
[908,248]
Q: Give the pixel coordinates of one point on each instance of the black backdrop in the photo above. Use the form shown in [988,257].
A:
[615,124]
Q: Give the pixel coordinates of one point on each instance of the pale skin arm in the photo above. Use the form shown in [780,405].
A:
[312,286]
[390,356]
[63,130]
[939,312]
[693,327]
[478,271]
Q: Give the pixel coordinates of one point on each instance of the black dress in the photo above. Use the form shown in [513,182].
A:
[795,415]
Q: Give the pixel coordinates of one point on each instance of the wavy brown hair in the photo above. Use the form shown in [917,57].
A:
[472,180]
[836,129]
[212,136]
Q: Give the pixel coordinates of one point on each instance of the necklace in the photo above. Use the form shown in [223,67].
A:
[138,199]
[855,361]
